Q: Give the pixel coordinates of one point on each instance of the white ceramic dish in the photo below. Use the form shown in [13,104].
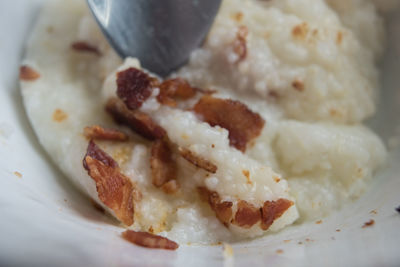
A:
[46,222]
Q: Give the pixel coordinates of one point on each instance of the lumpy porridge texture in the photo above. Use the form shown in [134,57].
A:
[305,74]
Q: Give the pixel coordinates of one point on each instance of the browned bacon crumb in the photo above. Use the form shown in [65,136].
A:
[198,161]
[318,222]
[18,174]
[338,230]
[272,210]
[242,123]
[298,85]
[246,215]
[148,240]
[114,189]
[222,209]
[139,122]
[134,87]
[368,224]
[279,251]
[300,31]
[82,46]
[173,89]
[163,166]
[98,132]
[27,73]
[240,43]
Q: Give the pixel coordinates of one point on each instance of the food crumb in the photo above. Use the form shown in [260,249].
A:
[59,115]
[318,222]
[300,243]
[338,230]
[373,212]
[287,240]
[369,223]
[279,251]
[18,174]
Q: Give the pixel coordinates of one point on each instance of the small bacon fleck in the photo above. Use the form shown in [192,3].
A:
[242,123]
[240,43]
[246,215]
[173,89]
[101,133]
[114,189]
[368,224]
[163,166]
[134,87]
[27,73]
[273,210]
[138,121]
[198,161]
[223,210]
[148,240]
[82,46]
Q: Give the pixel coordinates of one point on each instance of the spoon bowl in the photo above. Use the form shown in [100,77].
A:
[161,34]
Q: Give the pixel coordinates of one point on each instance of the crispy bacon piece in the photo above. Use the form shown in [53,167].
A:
[114,189]
[138,121]
[222,209]
[173,89]
[27,73]
[134,87]
[98,132]
[246,215]
[240,43]
[243,124]
[163,166]
[198,161]
[82,46]
[272,210]
[148,240]
[368,224]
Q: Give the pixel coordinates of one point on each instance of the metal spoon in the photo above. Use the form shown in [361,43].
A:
[160,33]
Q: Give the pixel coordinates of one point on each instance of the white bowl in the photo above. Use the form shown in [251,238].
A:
[46,222]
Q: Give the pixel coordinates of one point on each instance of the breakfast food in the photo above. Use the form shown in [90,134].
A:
[262,127]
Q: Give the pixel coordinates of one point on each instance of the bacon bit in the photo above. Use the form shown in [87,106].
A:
[97,206]
[18,174]
[277,179]
[98,132]
[300,31]
[318,222]
[298,85]
[246,215]
[148,240]
[27,73]
[279,251]
[338,230]
[134,87]
[243,124]
[272,210]
[163,166]
[139,122]
[240,43]
[59,115]
[223,210]
[173,89]
[198,161]
[287,240]
[115,190]
[82,46]
[368,224]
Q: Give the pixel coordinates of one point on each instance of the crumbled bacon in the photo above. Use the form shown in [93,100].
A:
[138,121]
[27,73]
[82,46]
[163,166]
[198,161]
[273,210]
[222,209]
[98,132]
[242,123]
[134,87]
[246,215]
[173,89]
[368,224]
[114,189]
[148,240]
[240,43]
